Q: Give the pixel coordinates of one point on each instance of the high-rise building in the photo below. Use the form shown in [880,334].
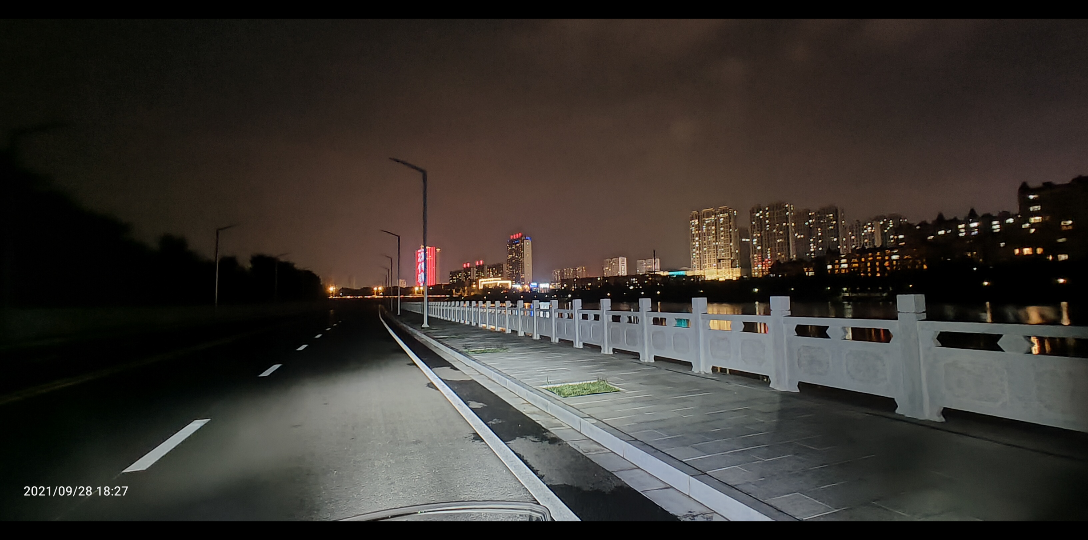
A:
[816,233]
[616,266]
[772,236]
[806,234]
[496,270]
[570,273]
[432,266]
[519,259]
[647,266]
[745,252]
[574,272]
[714,241]
[831,223]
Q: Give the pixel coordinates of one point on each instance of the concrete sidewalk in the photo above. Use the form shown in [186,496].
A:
[812,455]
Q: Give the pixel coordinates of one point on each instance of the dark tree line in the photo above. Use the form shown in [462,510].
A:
[54,253]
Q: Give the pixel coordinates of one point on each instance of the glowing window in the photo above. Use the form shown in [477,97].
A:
[1062,256]
[1035,208]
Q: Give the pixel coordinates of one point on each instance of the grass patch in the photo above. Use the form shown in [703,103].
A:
[581,389]
[484,351]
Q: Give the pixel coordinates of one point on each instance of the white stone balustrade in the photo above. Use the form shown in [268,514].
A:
[912,367]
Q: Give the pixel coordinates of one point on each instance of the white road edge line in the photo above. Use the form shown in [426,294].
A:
[151,457]
[269,371]
[302,347]
[536,487]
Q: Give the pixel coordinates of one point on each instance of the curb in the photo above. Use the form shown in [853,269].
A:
[705,489]
[533,484]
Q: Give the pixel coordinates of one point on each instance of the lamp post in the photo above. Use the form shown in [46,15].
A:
[398,268]
[390,277]
[388,272]
[276,281]
[217,231]
[410,166]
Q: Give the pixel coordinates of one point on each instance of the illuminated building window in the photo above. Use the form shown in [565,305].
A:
[1061,239]
[1062,256]
[1035,219]
[1033,196]
[1038,251]
[1035,208]
[1024,226]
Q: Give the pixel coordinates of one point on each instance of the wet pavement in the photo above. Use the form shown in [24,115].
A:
[814,455]
[589,489]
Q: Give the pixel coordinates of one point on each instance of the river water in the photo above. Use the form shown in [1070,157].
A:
[1056,314]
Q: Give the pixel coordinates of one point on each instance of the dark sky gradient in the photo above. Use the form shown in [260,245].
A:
[595,138]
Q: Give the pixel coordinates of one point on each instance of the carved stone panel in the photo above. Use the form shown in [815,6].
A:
[813,360]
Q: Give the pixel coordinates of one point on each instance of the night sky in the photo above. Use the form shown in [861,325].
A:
[597,139]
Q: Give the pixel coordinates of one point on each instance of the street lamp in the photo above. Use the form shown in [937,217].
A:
[410,166]
[388,273]
[217,231]
[390,277]
[398,268]
[276,282]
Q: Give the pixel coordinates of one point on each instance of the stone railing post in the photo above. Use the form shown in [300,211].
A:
[476,313]
[606,320]
[553,314]
[576,308]
[521,319]
[698,322]
[536,319]
[782,377]
[646,351]
[913,400]
[487,315]
[506,326]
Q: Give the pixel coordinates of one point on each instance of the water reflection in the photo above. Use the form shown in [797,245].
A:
[987,312]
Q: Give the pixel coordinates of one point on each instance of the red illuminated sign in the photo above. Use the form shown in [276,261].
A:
[432,274]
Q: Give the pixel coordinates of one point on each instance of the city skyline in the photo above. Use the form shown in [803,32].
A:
[286,127]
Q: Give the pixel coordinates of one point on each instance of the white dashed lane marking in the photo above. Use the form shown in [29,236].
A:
[151,457]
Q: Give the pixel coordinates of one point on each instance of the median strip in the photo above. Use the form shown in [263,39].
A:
[151,457]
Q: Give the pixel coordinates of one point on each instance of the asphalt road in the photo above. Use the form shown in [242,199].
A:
[346,425]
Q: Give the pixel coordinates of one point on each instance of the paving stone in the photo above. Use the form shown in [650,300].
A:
[675,502]
[720,461]
[735,475]
[611,461]
[587,447]
[799,506]
[865,512]
[640,480]
[684,452]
